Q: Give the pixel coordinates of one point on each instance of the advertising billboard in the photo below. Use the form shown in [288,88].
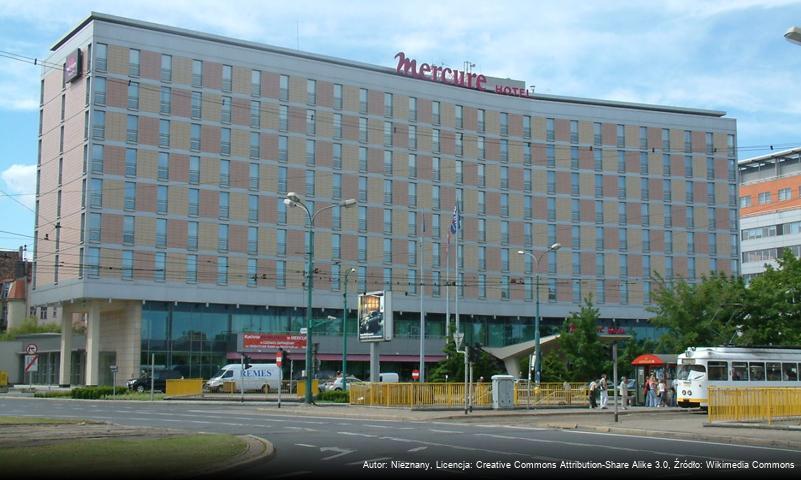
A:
[375,317]
[267,341]
[72,67]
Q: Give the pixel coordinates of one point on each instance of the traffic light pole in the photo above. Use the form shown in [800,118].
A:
[242,380]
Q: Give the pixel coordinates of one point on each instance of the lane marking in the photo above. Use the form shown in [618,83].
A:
[376,426]
[342,451]
[354,434]
[444,431]
[305,445]
[418,449]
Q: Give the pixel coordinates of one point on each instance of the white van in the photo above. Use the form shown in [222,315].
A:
[388,377]
[260,376]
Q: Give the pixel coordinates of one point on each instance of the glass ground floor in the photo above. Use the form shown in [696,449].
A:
[196,339]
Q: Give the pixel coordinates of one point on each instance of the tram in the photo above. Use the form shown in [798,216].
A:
[701,367]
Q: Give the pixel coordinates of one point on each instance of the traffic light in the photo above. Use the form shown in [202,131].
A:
[246,361]
[473,353]
[284,363]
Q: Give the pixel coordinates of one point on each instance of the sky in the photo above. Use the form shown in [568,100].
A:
[727,55]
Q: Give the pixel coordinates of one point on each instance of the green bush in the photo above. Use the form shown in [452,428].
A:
[94,393]
[337,396]
[55,394]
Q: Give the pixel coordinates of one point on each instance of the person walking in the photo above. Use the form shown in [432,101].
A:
[650,398]
[604,388]
[591,394]
[661,394]
[624,393]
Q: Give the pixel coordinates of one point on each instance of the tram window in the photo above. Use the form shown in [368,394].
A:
[757,371]
[774,371]
[690,372]
[739,371]
[789,372]
[718,370]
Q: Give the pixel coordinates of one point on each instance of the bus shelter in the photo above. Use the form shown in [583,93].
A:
[662,365]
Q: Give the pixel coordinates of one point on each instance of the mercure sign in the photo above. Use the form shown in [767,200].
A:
[452,76]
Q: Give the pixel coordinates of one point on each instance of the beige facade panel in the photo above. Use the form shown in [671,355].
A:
[178,202]
[117,59]
[207,236]
[112,194]
[116,126]
[181,70]
[209,171]
[145,230]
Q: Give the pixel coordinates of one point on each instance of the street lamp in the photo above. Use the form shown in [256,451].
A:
[344,333]
[793,35]
[294,200]
[538,353]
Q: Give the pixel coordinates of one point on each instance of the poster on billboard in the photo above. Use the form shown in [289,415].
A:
[72,66]
[375,317]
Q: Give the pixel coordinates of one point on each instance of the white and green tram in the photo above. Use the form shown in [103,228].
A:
[702,367]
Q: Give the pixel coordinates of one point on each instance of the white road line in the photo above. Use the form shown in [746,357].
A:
[341,452]
[376,426]
[417,449]
[305,445]
[362,462]
[443,431]
[596,445]
[354,434]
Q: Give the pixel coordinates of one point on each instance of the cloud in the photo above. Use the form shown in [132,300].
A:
[20,181]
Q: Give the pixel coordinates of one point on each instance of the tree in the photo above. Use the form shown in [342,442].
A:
[452,367]
[773,312]
[701,314]
[584,356]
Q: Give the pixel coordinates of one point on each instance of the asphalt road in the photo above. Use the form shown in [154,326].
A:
[311,446]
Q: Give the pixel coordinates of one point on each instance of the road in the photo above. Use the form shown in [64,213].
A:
[310,446]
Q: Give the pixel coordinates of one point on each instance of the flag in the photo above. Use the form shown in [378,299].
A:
[456,224]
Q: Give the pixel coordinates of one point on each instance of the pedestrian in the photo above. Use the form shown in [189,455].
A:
[604,388]
[650,398]
[624,393]
[661,394]
[591,394]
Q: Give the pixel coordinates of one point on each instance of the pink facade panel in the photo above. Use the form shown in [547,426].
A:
[240,174]
[111,228]
[240,111]
[150,65]
[179,167]
[181,103]
[270,84]
[146,197]
[209,203]
[210,139]
[238,239]
[114,160]
[562,130]
[177,233]
[148,131]
[609,134]
[212,75]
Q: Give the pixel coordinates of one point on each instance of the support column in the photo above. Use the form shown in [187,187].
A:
[65,363]
[129,364]
[93,344]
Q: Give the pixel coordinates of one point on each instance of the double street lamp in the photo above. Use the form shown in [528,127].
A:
[294,200]
[345,332]
[537,352]
[793,35]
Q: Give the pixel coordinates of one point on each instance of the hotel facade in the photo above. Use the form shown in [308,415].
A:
[770,209]
[165,156]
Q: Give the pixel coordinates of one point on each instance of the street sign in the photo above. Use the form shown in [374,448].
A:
[458,337]
[415,374]
[278,358]
[304,331]
[31,363]
[31,349]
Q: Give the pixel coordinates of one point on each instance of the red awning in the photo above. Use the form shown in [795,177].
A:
[647,359]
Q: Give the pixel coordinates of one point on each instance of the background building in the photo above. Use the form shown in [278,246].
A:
[165,155]
[770,209]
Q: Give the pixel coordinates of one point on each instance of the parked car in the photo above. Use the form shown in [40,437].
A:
[160,377]
[336,384]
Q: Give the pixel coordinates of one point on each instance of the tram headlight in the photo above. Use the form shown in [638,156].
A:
[684,392]
[689,393]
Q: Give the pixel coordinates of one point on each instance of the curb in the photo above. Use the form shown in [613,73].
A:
[265,448]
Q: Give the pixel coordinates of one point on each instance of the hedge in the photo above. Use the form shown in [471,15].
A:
[93,393]
[337,396]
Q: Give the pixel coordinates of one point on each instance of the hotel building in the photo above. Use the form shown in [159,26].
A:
[165,156]
[770,209]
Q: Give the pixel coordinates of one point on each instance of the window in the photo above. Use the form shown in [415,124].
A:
[101,57]
[311,92]
[225,173]
[435,118]
[100,91]
[785,194]
[161,232]
[222,270]
[163,170]
[194,138]
[161,199]
[387,104]
[480,115]
[621,136]
[255,114]
[197,99]
[388,134]
[362,130]
[191,235]
[197,73]
[764,198]
[127,265]
[225,141]
[133,62]
[435,140]
[165,102]
[338,96]
[133,95]
[363,100]
[99,125]
[283,86]
[227,78]
[310,125]
[255,83]
[756,371]
[745,201]
[225,111]
[739,371]
[253,208]
[223,205]
[132,132]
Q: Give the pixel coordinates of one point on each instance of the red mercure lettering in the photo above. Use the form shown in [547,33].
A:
[479,80]
[424,69]
[445,73]
[434,70]
[458,78]
[404,65]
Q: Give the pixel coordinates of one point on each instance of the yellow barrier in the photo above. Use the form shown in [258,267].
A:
[550,394]
[300,386]
[184,387]
[452,394]
[3,378]
[753,404]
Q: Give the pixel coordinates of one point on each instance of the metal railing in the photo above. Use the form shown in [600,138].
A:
[753,404]
[415,395]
